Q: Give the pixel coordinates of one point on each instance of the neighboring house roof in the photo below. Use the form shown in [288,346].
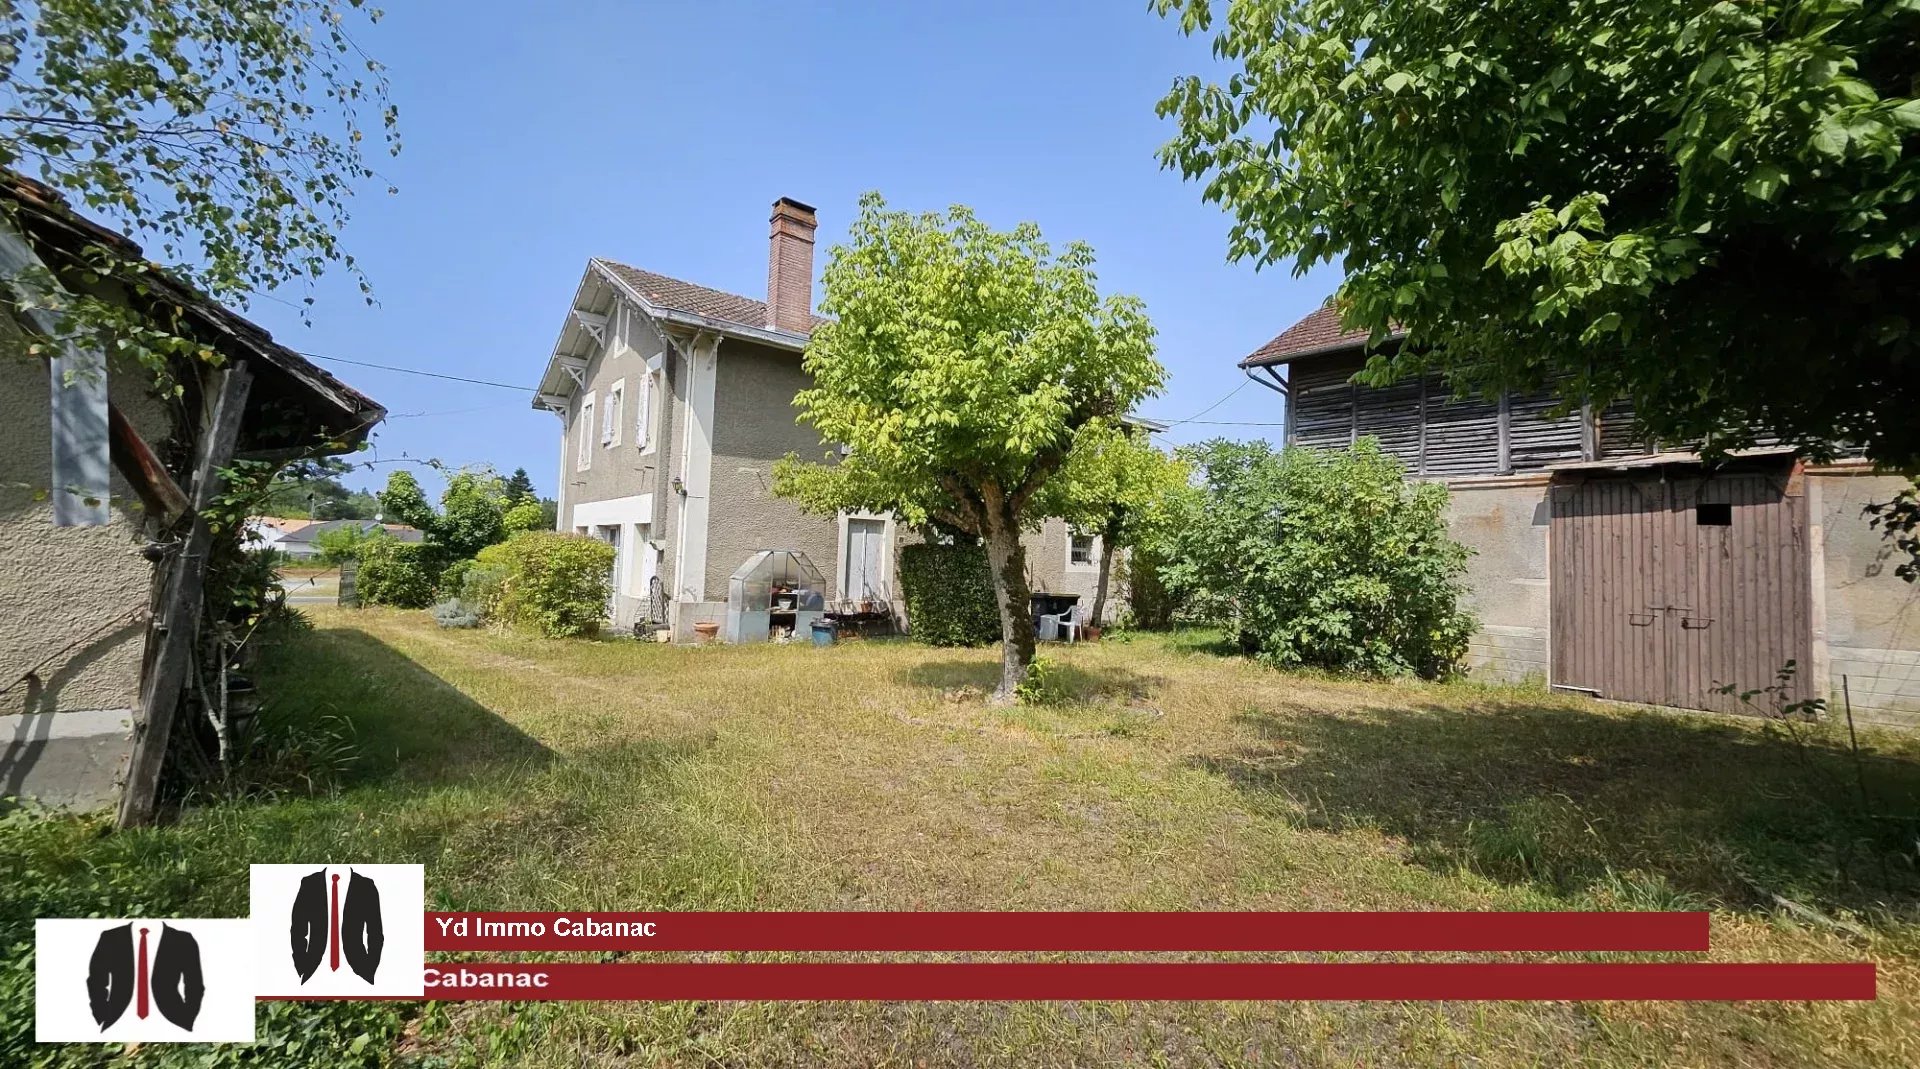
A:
[1320,332]
[345,414]
[286,525]
[313,529]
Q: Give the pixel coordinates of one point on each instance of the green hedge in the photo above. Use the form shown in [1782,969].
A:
[949,593]
[556,584]
[402,574]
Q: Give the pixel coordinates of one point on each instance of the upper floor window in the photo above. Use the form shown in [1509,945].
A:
[583,457]
[614,416]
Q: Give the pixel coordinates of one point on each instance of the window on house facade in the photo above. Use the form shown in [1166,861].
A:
[643,413]
[1081,551]
[584,457]
[614,417]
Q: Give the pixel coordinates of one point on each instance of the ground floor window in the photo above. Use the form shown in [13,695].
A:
[1082,550]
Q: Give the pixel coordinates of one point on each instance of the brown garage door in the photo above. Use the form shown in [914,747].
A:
[1667,585]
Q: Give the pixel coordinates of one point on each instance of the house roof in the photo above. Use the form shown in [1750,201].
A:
[1320,332]
[674,295]
[669,301]
[61,235]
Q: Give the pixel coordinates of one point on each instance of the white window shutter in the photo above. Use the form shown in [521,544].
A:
[585,457]
[643,407]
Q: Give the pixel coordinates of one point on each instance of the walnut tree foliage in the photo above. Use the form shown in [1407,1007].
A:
[1706,208]
[960,366]
[225,135]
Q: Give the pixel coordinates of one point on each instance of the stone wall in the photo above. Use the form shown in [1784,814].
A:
[1866,620]
[1503,521]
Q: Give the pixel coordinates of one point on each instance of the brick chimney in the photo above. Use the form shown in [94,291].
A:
[790,267]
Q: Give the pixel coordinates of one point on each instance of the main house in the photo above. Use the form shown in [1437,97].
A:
[1610,566]
[675,400]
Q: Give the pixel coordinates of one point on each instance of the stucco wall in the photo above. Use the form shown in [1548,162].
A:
[1866,619]
[754,424]
[625,469]
[1503,521]
[1049,570]
[73,601]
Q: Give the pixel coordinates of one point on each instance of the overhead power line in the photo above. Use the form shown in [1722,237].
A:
[1194,419]
[416,371]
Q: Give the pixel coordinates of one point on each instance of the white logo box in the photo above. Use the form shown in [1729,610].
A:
[200,977]
[380,912]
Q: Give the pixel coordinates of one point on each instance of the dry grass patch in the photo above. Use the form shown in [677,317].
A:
[536,774]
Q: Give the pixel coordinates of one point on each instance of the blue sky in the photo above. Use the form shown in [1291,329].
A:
[658,134]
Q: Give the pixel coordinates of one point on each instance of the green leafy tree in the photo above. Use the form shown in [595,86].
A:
[526,515]
[1112,478]
[313,488]
[473,512]
[346,543]
[959,367]
[404,502]
[556,584]
[226,134]
[1708,209]
[1327,558]
[520,487]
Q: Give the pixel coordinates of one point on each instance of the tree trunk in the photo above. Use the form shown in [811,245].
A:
[1109,536]
[1007,561]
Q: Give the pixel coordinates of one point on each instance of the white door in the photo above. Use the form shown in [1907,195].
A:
[611,535]
[865,574]
[649,562]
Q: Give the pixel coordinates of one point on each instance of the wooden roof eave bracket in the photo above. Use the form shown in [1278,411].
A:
[593,323]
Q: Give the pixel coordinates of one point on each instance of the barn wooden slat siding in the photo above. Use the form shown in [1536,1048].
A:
[1422,422]
[1536,437]
[1616,433]
[1321,409]
[1392,415]
[1463,435]
[1650,604]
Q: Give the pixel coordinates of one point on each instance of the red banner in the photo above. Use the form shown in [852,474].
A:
[1501,932]
[1237,981]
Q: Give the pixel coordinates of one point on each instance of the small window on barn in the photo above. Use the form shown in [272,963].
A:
[1713,515]
[1080,551]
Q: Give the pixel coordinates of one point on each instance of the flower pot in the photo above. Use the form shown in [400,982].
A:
[705,631]
[1091,632]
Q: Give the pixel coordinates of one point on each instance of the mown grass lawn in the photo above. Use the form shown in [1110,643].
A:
[529,774]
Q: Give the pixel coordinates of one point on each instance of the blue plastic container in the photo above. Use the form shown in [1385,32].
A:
[822,633]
